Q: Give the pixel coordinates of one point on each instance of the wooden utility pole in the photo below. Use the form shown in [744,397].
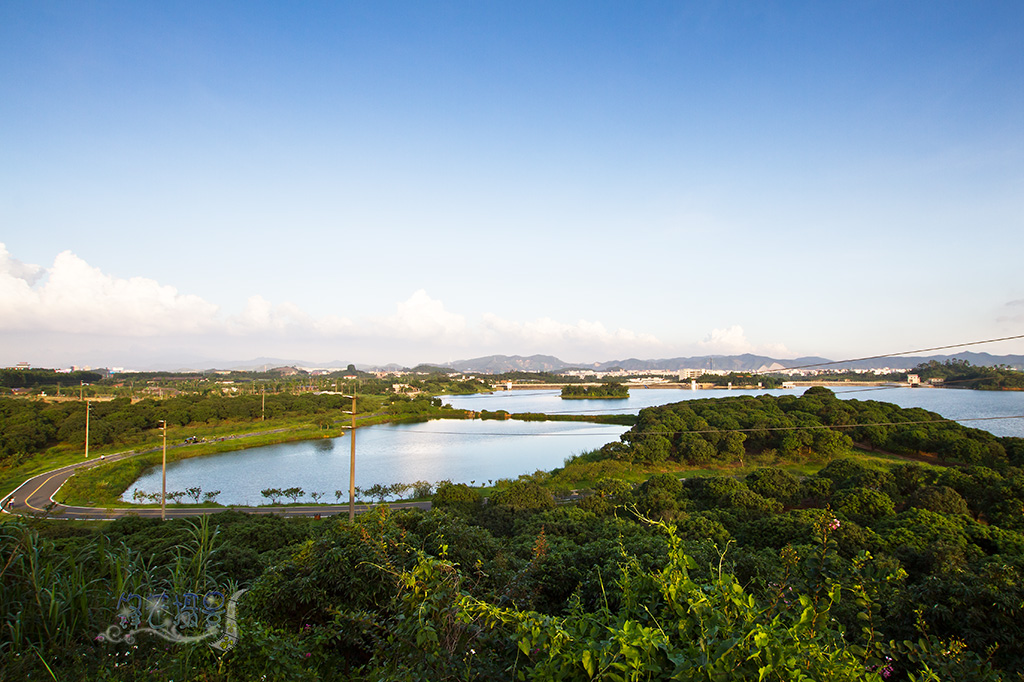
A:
[87,429]
[163,489]
[352,464]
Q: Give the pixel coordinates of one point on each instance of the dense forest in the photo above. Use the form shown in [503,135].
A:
[962,374]
[909,572]
[847,569]
[813,425]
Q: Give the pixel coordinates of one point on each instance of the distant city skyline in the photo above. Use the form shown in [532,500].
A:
[407,183]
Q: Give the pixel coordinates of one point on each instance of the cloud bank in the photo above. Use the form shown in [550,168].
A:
[72,299]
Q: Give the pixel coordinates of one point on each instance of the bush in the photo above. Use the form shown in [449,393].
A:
[524,495]
[839,471]
[720,492]
[456,496]
[658,497]
[862,505]
[939,498]
[774,483]
[815,491]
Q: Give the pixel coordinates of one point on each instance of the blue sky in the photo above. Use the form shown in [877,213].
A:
[421,182]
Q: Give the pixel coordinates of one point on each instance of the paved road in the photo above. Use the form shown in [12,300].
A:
[35,497]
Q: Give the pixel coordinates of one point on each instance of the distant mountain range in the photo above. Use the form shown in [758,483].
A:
[909,362]
[497,364]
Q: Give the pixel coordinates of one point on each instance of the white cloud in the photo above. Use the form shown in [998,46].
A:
[72,298]
[260,315]
[733,341]
[15,269]
[75,297]
[549,335]
[421,318]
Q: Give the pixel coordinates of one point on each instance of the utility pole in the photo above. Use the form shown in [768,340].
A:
[87,429]
[352,464]
[163,489]
[264,417]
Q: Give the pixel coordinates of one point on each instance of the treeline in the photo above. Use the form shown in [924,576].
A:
[738,379]
[440,384]
[952,373]
[606,390]
[816,425]
[29,426]
[30,378]
[962,374]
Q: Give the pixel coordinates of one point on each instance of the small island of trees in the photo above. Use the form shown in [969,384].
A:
[739,379]
[603,391]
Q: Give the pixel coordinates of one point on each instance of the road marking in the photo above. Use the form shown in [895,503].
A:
[29,497]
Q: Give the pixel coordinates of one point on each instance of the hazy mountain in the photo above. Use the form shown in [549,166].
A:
[909,362]
[257,365]
[731,363]
[496,364]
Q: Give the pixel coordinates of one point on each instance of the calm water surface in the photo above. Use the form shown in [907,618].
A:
[458,450]
[950,403]
[479,451]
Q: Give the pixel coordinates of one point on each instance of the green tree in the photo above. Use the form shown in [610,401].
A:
[524,495]
[775,483]
[862,505]
[939,498]
[456,496]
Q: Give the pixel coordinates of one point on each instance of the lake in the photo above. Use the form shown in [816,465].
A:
[480,451]
[949,402]
[462,451]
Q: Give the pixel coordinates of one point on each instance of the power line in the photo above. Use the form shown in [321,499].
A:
[890,386]
[836,426]
[908,352]
[820,364]
[745,430]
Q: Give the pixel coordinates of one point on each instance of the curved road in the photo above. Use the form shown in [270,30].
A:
[34,497]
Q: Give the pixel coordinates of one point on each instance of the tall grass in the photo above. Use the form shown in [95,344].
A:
[54,604]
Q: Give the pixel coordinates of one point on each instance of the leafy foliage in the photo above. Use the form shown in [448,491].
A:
[815,426]
[607,390]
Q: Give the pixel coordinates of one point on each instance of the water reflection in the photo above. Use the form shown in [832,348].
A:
[323,445]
